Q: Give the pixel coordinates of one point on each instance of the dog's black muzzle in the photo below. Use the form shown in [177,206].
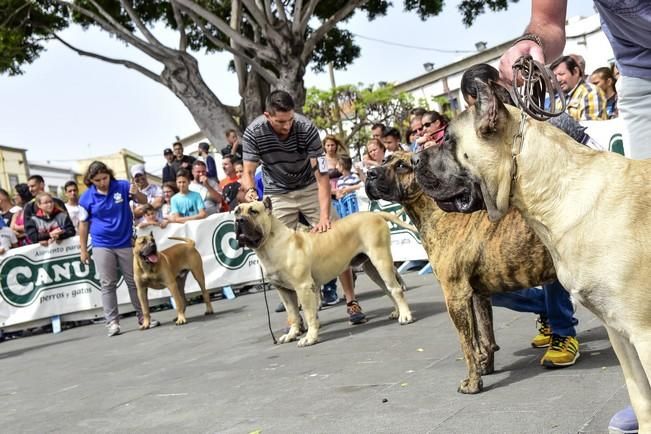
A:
[246,233]
[377,185]
[451,186]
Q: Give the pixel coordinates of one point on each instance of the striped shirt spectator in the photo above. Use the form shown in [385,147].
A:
[286,163]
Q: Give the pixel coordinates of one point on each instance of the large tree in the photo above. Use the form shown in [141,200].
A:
[272,41]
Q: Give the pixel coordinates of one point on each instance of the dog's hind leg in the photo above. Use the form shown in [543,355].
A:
[642,346]
[290,302]
[486,344]
[197,272]
[382,264]
[373,274]
[633,365]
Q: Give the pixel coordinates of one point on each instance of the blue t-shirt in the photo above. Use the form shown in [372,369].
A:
[109,215]
[186,205]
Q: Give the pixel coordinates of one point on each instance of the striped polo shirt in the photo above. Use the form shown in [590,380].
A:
[285,163]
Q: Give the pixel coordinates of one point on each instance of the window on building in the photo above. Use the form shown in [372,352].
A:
[13,181]
[53,189]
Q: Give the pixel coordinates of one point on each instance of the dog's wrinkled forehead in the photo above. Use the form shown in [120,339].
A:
[250,209]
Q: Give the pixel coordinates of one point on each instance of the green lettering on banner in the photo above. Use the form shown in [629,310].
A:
[396,209]
[23,279]
[226,249]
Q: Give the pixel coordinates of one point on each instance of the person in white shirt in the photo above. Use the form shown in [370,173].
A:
[72,203]
[207,188]
[153,192]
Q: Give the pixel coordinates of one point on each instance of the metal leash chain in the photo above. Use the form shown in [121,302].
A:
[539,87]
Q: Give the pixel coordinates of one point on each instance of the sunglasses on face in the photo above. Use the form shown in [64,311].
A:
[418,130]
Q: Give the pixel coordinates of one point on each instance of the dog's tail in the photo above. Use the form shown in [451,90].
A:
[187,240]
[395,219]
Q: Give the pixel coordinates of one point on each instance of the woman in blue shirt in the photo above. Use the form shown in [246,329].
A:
[105,214]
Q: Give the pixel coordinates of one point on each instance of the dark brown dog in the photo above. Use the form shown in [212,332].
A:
[471,257]
[167,269]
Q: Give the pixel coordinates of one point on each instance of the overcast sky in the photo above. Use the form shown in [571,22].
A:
[65,107]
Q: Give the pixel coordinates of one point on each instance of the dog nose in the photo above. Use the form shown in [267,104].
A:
[371,174]
[415,159]
[239,220]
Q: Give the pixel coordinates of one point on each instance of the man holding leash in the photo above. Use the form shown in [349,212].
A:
[627,26]
[295,174]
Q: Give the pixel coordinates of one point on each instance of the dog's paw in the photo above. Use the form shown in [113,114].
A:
[486,368]
[406,319]
[209,312]
[307,341]
[287,338]
[395,314]
[180,321]
[470,387]
[144,326]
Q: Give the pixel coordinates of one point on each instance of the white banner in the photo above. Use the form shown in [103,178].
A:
[39,282]
[405,244]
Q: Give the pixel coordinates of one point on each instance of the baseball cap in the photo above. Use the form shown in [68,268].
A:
[167,151]
[138,169]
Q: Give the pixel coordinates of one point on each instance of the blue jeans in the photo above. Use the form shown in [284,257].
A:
[552,302]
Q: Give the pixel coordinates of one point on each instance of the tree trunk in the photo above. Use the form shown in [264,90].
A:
[290,79]
[255,94]
[181,75]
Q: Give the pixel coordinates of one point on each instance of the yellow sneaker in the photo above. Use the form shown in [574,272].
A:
[544,336]
[562,352]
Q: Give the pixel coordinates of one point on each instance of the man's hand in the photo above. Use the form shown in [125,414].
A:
[323,225]
[251,195]
[133,189]
[520,49]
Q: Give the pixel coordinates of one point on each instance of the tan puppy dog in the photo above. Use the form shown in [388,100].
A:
[591,209]
[471,257]
[299,263]
[167,269]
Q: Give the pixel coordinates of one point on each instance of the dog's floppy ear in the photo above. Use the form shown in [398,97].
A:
[267,203]
[490,113]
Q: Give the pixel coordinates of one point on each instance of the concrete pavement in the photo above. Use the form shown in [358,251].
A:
[223,374]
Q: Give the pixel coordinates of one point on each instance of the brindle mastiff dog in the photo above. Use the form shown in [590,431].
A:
[299,263]
[167,269]
[591,209]
[472,258]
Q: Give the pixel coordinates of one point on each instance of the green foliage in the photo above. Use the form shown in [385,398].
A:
[471,9]
[23,27]
[359,107]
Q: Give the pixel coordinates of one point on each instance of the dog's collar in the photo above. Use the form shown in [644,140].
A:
[516,148]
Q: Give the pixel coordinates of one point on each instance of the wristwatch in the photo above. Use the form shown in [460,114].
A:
[530,37]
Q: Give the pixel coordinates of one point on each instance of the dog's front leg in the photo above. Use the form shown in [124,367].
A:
[458,297]
[309,297]
[144,304]
[290,302]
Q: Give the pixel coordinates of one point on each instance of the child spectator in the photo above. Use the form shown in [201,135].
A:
[8,239]
[21,199]
[72,203]
[186,205]
[239,169]
[169,190]
[51,224]
[150,218]
[346,202]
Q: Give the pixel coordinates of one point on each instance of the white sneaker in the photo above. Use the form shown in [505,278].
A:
[113,328]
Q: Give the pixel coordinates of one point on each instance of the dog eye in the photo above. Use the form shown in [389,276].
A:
[254,212]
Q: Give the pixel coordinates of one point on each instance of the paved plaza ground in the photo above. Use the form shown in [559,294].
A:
[222,374]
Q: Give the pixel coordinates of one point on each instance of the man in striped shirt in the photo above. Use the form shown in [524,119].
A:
[288,146]
[584,101]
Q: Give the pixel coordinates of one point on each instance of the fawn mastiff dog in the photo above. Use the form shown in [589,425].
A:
[471,257]
[591,209]
[167,269]
[299,263]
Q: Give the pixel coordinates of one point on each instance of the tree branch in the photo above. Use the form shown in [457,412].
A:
[240,66]
[259,17]
[183,37]
[139,24]
[296,19]
[127,63]
[159,53]
[328,25]
[198,11]
[281,11]
[239,54]
[306,15]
